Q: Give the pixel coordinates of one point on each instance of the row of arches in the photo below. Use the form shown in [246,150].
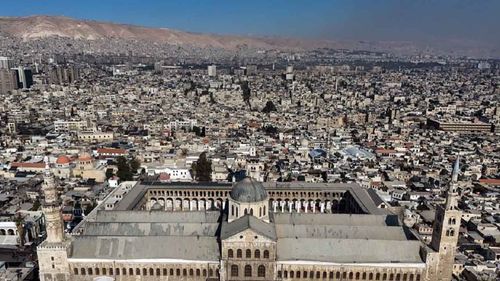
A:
[145,271]
[307,194]
[248,272]
[225,193]
[185,204]
[305,206]
[190,193]
[348,275]
[248,254]
[9,231]
[247,211]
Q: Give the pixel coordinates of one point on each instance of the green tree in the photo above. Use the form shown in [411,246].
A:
[124,172]
[134,165]
[202,168]
[109,173]
[269,107]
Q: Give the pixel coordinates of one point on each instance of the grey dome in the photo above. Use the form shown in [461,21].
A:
[248,190]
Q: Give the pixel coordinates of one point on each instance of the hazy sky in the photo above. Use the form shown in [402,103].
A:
[415,20]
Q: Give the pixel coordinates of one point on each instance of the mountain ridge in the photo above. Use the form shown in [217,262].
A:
[45,26]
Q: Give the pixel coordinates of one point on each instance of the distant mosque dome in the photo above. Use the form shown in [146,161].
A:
[248,190]
[63,160]
[85,156]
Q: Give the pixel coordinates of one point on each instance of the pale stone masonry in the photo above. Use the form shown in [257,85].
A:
[242,235]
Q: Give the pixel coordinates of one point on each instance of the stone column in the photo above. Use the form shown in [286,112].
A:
[274,206]
[322,206]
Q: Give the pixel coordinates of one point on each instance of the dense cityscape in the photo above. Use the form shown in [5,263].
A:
[129,160]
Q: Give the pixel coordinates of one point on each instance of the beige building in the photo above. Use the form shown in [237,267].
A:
[86,168]
[246,231]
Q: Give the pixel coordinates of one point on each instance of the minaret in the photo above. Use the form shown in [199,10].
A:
[52,210]
[446,229]
[53,252]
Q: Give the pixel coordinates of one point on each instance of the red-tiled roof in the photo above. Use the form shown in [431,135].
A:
[490,181]
[40,165]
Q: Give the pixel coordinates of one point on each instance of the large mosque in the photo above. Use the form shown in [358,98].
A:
[247,231]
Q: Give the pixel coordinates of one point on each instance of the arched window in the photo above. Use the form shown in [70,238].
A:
[391,276]
[351,275]
[130,271]
[90,271]
[248,253]
[191,272]
[330,275]
[234,270]
[257,254]
[363,276]
[237,212]
[337,275]
[171,271]
[324,274]
[144,272]
[232,210]
[357,275]
[198,272]
[137,271]
[292,274]
[266,254]
[245,212]
[124,271]
[412,277]
[97,271]
[239,253]
[248,271]
[82,271]
[210,272]
[117,271]
[158,272]
[285,274]
[251,211]
[305,274]
[260,211]
[184,272]
[264,212]
[165,272]
[370,276]
[318,275]
[384,276]
[297,274]
[230,253]
[75,271]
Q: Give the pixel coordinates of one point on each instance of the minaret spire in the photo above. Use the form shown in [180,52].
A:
[452,193]
[456,170]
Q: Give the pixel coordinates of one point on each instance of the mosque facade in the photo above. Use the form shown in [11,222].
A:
[247,231]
